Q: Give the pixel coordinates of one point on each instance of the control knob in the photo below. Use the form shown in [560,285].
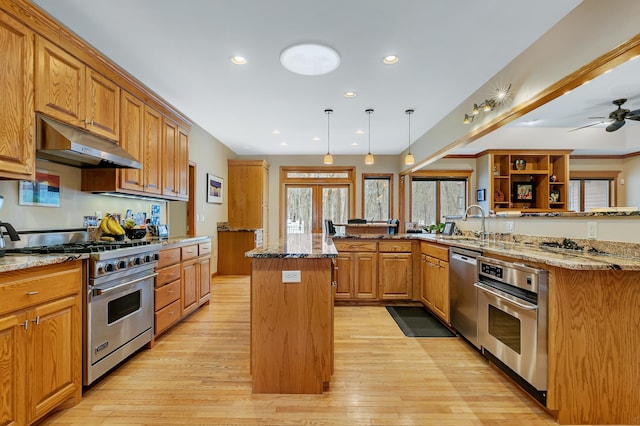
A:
[135,260]
[109,267]
[146,258]
[121,264]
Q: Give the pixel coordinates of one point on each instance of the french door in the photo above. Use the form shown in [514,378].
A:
[309,205]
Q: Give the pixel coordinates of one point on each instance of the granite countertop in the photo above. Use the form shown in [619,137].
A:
[607,258]
[312,246]
[181,241]
[14,262]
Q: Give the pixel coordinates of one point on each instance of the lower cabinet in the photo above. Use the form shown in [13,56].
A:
[183,283]
[395,270]
[435,279]
[40,341]
[357,272]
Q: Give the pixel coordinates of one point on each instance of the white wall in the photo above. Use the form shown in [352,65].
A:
[631,176]
[607,164]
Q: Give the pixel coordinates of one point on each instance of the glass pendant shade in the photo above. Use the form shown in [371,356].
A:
[328,159]
[368,159]
[409,160]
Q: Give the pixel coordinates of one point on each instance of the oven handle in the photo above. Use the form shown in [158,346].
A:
[500,295]
[100,291]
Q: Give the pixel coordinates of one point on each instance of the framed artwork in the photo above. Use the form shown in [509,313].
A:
[481,194]
[524,192]
[214,189]
[44,191]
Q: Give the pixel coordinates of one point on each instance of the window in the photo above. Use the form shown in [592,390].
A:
[377,201]
[589,190]
[436,194]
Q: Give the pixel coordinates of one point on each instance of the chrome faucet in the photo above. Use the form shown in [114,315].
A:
[483,231]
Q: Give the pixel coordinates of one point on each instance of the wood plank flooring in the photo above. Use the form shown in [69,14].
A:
[198,374]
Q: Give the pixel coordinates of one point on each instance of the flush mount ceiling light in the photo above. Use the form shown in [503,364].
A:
[409,160]
[238,60]
[310,59]
[328,158]
[368,159]
[390,59]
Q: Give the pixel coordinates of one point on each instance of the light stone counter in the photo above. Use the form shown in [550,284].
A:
[13,262]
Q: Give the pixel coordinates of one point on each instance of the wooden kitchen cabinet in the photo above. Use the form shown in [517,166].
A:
[167,290]
[170,154]
[357,274]
[89,100]
[435,279]
[189,293]
[17,149]
[41,337]
[132,140]
[395,275]
[232,245]
[249,195]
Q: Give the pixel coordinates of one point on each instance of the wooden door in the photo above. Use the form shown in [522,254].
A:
[169,157]
[12,374]
[103,106]
[344,276]
[60,84]
[54,358]
[366,275]
[394,278]
[189,293]
[204,281]
[309,205]
[152,150]
[17,148]
[132,140]
[441,290]
[182,164]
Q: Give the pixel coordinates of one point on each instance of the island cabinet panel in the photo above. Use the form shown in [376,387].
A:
[17,148]
[594,369]
[41,341]
[291,326]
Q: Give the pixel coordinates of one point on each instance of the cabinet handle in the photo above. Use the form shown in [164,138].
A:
[171,312]
[334,284]
[37,320]
[25,325]
[170,291]
[31,293]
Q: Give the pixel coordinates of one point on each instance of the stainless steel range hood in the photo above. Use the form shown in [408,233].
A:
[64,144]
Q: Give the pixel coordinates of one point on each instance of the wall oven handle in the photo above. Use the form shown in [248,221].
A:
[100,291]
[500,295]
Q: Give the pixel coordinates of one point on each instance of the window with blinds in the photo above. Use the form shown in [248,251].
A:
[585,194]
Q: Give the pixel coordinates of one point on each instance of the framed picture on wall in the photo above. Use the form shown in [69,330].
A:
[214,189]
[44,191]
[481,194]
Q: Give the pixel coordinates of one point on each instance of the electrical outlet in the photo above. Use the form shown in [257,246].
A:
[592,230]
[510,226]
[291,276]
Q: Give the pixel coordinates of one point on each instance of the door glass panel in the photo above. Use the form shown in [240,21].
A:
[505,328]
[335,204]
[376,198]
[299,209]
[452,198]
[423,202]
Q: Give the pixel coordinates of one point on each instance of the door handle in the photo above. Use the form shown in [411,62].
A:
[512,300]
[101,291]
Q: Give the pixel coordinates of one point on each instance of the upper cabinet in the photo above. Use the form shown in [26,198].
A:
[68,90]
[132,139]
[248,194]
[17,147]
[534,180]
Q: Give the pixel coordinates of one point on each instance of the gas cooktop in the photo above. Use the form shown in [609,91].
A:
[84,247]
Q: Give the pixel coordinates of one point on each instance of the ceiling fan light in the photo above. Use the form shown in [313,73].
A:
[328,159]
[368,159]
[409,160]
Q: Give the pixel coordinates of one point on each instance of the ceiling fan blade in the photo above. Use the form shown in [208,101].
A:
[634,115]
[595,118]
[589,125]
[615,125]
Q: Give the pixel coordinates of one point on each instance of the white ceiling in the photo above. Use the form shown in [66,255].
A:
[181,49]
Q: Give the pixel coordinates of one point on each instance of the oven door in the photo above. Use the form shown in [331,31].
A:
[508,329]
[117,312]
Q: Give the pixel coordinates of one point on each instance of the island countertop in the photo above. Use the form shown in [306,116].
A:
[297,246]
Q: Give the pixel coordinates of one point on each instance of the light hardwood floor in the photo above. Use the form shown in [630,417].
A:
[198,373]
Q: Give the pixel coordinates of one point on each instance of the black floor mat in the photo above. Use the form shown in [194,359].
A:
[416,321]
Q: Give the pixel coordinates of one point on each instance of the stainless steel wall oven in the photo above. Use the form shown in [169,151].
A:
[512,321]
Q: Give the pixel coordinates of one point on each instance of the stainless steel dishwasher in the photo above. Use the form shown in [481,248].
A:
[463,295]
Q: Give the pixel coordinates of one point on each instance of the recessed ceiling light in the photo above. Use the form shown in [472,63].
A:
[283,144]
[359,132]
[354,144]
[310,59]
[390,59]
[276,132]
[350,94]
[315,138]
[238,60]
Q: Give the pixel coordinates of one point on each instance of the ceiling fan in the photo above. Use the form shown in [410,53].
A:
[618,117]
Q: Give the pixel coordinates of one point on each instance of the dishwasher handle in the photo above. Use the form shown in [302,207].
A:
[463,258]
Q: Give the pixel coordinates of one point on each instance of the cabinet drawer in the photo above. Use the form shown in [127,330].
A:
[355,245]
[167,294]
[169,257]
[435,250]
[38,285]
[166,275]
[204,249]
[189,252]
[167,316]
[394,246]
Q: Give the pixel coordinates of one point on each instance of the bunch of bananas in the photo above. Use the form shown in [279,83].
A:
[109,225]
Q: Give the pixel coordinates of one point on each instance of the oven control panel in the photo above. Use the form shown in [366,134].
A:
[492,270]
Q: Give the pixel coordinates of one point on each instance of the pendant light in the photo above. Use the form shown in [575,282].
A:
[328,158]
[368,159]
[409,160]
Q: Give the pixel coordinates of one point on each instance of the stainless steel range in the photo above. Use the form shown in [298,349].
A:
[118,302]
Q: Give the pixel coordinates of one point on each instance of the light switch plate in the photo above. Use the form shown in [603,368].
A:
[592,230]
[291,277]
[510,226]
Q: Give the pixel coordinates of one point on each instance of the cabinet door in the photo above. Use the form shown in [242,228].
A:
[54,359]
[152,149]
[366,276]
[12,374]
[441,290]
[344,276]
[182,165]
[103,106]
[204,281]
[426,270]
[16,102]
[169,157]
[395,275]
[60,82]
[132,140]
[189,293]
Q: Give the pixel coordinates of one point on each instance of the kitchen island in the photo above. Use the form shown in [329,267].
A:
[292,315]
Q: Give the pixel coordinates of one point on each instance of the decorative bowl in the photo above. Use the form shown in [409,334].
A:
[135,233]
